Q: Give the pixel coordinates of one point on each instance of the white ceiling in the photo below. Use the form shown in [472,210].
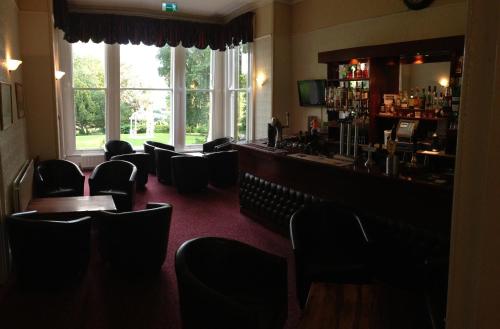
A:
[196,8]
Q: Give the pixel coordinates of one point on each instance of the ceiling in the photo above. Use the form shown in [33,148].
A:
[194,8]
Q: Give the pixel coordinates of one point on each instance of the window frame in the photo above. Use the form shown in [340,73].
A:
[232,79]
[218,117]
[170,89]
[211,92]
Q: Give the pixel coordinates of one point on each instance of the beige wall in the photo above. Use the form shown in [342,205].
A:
[474,284]
[13,146]
[36,49]
[263,65]
[311,15]
[264,20]
[282,60]
[388,21]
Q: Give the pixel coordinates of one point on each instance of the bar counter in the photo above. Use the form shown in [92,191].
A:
[421,203]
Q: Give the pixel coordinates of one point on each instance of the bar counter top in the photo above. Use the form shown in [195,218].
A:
[422,200]
[432,180]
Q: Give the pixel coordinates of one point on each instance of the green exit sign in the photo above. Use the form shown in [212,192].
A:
[169,7]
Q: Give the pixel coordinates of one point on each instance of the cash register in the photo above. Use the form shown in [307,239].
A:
[405,133]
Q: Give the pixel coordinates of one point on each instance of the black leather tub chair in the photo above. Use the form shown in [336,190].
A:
[58,178]
[227,284]
[115,178]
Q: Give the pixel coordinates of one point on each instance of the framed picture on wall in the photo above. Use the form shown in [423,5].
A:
[19,100]
[6,101]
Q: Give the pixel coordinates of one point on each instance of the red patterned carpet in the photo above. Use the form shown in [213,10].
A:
[103,300]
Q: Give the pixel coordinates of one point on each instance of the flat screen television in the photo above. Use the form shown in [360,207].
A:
[311,92]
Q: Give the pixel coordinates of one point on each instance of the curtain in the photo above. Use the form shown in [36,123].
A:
[110,28]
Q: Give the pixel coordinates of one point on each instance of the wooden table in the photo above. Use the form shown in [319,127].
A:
[349,306]
[85,205]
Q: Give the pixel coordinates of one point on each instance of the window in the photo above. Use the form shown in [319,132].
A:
[172,95]
[89,95]
[239,89]
[145,94]
[199,93]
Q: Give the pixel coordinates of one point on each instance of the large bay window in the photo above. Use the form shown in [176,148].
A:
[180,96]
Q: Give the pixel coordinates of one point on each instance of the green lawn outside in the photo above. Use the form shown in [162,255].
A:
[93,142]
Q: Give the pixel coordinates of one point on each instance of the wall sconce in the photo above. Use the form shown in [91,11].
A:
[444,82]
[260,79]
[59,74]
[12,64]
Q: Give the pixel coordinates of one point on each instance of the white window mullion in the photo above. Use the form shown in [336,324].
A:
[179,98]
[217,113]
[113,92]
[250,97]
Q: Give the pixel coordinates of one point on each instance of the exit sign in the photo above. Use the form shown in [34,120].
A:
[169,7]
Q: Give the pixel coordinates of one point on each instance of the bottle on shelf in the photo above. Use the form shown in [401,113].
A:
[411,100]
[342,71]
[398,99]
[455,95]
[416,99]
[428,102]
[404,100]
[421,101]
[358,73]
[435,102]
[364,70]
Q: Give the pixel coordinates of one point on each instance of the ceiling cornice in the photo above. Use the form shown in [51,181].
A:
[219,19]
[254,5]
[145,13]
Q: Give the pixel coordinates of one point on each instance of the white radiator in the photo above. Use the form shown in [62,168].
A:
[87,161]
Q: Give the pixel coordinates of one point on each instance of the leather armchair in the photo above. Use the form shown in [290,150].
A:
[149,147]
[136,241]
[164,165]
[412,259]
[141,161]
[219,144]
[117,147]
[58,178]
[115,178]
[226,284]
[48,252]
[223,168]
[189,173]
[329,244]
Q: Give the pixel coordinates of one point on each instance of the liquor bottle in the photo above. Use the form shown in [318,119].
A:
[422,101]
[416,100]
[358,73]
[398,99]
[411,101]
[404,100]
[441,105]
[435,100]
[364,70]
[455,96]
[428,103]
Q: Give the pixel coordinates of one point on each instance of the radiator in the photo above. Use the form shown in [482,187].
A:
[87,161]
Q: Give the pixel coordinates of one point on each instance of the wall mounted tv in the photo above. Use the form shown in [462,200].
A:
[311,92]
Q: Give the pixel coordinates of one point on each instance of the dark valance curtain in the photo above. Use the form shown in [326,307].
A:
[122,29]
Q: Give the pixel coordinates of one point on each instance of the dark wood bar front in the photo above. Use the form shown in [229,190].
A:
[422,204]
